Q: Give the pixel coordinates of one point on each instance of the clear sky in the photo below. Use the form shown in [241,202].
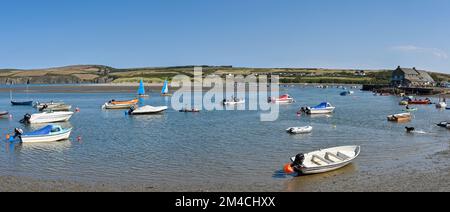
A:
[251,33]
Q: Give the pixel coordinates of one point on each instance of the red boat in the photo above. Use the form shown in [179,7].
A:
[284,99]
[419,102]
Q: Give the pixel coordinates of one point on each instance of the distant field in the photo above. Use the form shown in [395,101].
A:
[106,74]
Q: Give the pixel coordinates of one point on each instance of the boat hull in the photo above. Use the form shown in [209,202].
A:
[117,106]
[146,110]
[41,118]
[26,103]
[350,152]
[320,111]
[47,138]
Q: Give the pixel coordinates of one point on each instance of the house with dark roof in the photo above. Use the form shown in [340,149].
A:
[411,77]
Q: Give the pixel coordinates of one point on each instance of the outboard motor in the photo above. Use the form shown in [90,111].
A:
[17,132]
[298,162]
[130,111]
[26,119]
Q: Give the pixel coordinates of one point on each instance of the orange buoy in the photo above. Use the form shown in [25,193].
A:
[8,136]
[288,168]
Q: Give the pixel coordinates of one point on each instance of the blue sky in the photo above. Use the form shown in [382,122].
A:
[251,33]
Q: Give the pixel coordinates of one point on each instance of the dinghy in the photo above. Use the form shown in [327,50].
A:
[62,107]
[411,110]
[115,102]
[190,110]
[147,109]
[441,105]
[20,103]
[51,104]
[420,102]
[141,90]
[323,160]
[111,106]
[347,93]
[3,113]
[444,124]
[402,117]
[50,133]
[165,89]
[46,117]
[299,130]
[322,108]
[284,99]
[233,101]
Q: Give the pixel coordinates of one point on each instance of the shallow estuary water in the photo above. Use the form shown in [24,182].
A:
[227,150]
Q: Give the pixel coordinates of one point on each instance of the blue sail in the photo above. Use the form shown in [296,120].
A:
[141,90]
[165,88]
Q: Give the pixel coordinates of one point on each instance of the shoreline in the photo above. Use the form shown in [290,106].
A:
[434,181]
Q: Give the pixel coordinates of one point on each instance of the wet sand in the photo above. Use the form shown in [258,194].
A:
[436,181]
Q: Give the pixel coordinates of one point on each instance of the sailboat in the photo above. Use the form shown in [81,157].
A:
[165,89]
[141,90]
[25,103]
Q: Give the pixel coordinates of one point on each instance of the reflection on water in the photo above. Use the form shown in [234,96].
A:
[202,150]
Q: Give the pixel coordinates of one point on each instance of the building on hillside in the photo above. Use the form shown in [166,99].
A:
[360,73]
[411,77]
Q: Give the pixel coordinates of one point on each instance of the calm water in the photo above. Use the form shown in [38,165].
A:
[219,149]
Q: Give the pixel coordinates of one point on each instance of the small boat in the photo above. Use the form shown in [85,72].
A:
[46,117]
[299,130]
[190,110]
[50,133]
[411,110]
[284,99]
[115,102]
[147,109]
[51,104]
[444,124]
[141,89]
[442,103]
[324,160]
[322,108]
[3,113]
[21,103]
[347,93]
[62,107]
[419,102]
[165,89]
[403,102]
[233,101]
[402,117]
[111,106]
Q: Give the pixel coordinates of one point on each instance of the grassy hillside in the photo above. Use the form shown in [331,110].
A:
[106,74]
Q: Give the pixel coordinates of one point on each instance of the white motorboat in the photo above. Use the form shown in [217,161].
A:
[300,130]
[50,133]
[147,109]
[323,108]
[46,117]
[441,105]
[284,99]
[233,102]
[324,160]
